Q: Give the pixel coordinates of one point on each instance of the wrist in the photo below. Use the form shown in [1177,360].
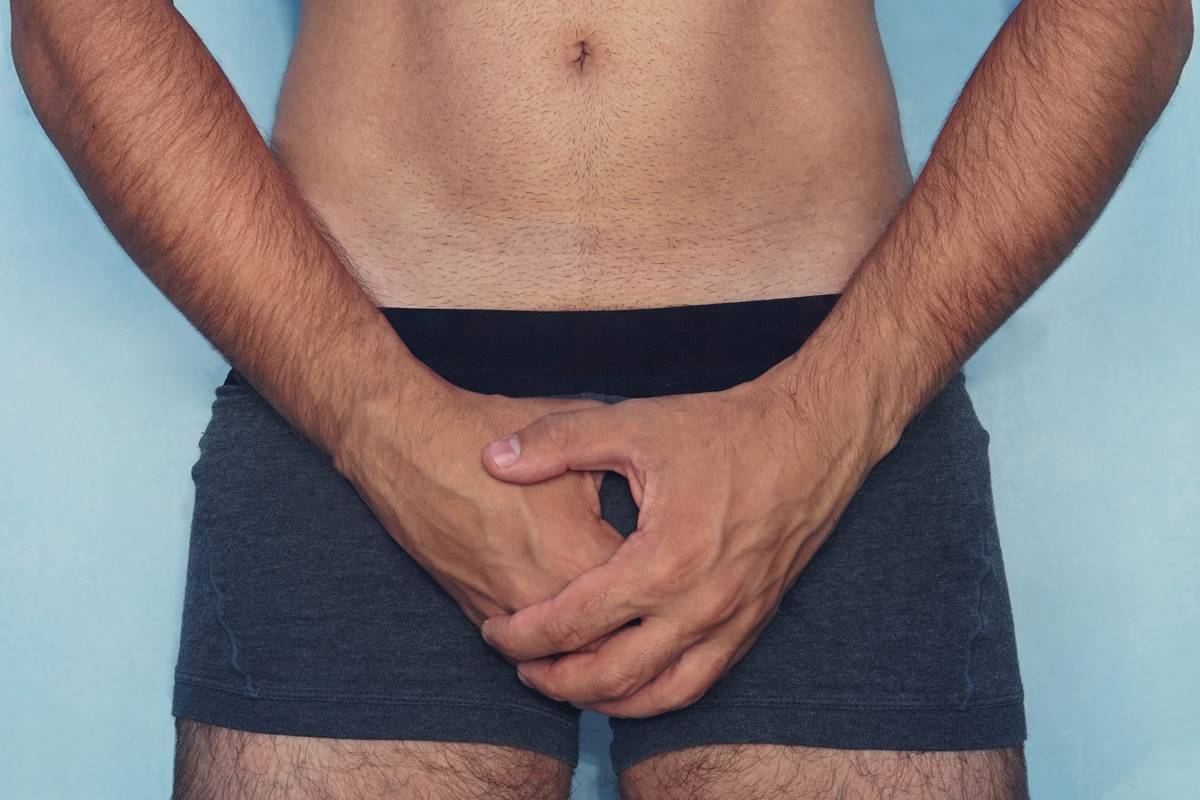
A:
[854,401]
[389,417]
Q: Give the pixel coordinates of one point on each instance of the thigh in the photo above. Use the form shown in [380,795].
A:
[733,772]
[303,618]
[896,637]
[214,763]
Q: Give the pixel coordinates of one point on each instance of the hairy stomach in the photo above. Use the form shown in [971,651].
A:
[614,154]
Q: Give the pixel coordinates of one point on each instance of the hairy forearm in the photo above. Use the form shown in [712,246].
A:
[165,150]
[1040,137]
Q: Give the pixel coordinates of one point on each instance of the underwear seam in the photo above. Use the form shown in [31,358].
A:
[977,633]
[987,571]
[321,697]
[219,610]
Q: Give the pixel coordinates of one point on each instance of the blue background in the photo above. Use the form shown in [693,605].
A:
[1089,392]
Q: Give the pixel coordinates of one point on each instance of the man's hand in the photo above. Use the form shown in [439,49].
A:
[736,491]
[493,546]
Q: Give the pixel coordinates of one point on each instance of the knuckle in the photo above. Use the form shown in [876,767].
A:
[550,429]
[714,607]
[563,633]
[723,606]
[597,602]
[691,556]
[614,682]
[686,695]
[699,680]
[561,428]
[684,562]
[669,577]
[691,696]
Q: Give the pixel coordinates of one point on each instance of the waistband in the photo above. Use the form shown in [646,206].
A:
[639,352]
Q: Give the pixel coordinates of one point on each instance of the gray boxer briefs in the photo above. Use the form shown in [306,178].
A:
[302,616]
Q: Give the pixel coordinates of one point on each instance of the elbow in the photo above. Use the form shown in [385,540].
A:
[1184,32]
[1174,40]
[20,40]
[1163,43]
[50,42]
[57,45]
[30,55]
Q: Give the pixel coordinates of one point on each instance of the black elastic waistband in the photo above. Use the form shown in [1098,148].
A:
[638,352]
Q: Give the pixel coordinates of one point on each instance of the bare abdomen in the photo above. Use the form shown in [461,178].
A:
[550,155]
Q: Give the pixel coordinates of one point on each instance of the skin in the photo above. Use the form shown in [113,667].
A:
[702,152]
[1002,200]
[616,157]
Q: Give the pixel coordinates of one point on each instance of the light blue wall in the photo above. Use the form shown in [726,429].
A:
[1089,392]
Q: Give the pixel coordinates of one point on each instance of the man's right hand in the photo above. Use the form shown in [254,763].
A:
[178,170]
[495,547]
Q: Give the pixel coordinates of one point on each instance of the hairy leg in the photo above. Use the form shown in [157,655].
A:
[766,772]
[214,763]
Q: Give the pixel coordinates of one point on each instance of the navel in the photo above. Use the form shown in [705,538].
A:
[582,52]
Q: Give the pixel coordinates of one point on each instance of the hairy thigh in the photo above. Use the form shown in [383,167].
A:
[765,772]
[214,763]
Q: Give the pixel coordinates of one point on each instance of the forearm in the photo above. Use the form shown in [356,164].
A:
[1035,146]
[167,153]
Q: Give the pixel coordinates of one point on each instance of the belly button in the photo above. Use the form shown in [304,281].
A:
[583,52]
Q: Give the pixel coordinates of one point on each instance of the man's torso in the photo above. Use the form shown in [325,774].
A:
[579,155]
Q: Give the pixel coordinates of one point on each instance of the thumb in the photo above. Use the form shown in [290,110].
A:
[587,439]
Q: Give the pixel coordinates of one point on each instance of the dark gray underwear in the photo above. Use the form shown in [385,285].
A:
[302,616]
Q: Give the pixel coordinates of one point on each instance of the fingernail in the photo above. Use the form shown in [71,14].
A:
[484,632]
[504,451]
[522,678]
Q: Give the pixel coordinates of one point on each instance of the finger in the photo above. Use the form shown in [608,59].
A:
[587,648]
[622,665]
[593,645]
[597,602]
[588,439]
[609,538]
[679,685]
[588,541]
[744,646]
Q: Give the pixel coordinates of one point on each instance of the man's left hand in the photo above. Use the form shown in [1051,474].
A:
[736,491]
